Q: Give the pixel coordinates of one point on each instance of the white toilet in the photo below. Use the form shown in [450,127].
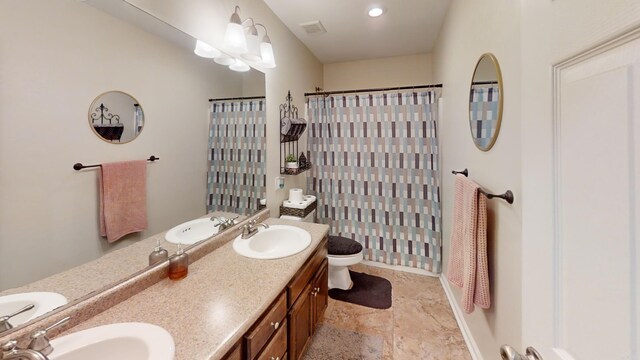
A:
[343,252]
[339,258]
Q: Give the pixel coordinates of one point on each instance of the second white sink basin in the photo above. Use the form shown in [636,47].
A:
[192,231]
[43,303]
[122,341]
[276,242]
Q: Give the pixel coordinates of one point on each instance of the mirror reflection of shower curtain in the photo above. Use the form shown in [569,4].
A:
[483,112]
[375,171]
[137,120]
[236,176]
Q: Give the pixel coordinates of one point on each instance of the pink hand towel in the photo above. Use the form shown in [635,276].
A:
[123,198]
[468,265]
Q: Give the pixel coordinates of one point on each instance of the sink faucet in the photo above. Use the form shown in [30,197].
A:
[11,352]
[4,320]
[250,228]
[223,222]
[38,349]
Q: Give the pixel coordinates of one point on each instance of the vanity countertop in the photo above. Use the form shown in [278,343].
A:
[220,299]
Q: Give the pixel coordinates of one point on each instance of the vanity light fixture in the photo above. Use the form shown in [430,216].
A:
[243,41]
[240,66]
[224,59]
[267,60]
[253,43]
[234,37]
[376,11]
[205,50]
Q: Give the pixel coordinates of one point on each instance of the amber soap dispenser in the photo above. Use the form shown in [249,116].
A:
[179,265]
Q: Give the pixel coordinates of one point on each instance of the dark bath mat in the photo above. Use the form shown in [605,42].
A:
[332,343]
[368,290]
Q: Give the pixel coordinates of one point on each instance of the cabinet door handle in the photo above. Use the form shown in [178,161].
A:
[317,290]
[275,325]
[275,358]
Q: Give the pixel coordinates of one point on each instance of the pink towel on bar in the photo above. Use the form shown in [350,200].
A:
[123,198]
[468,266]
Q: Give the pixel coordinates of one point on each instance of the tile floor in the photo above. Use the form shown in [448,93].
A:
[419,324]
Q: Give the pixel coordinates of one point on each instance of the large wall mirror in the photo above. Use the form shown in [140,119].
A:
[29,278]
[485,102]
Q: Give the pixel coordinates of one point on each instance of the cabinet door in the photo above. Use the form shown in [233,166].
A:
[320,294]
[235,353]
[300,322]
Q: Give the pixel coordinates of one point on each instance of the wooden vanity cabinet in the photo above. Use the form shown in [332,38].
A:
[285,328]
[311,302]
[235,353]
[320,294]
[272,321]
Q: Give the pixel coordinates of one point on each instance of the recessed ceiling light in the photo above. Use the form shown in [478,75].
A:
[376,11]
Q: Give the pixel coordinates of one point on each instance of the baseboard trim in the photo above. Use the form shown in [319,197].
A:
[399,268]
[457,312]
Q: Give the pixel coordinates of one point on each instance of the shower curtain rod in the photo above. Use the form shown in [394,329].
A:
[239,98]
[484,82]
[325,93]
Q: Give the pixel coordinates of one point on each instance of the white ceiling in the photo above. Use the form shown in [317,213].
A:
[407,27]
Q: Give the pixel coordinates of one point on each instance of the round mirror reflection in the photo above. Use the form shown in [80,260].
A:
[485,102]
[116,117]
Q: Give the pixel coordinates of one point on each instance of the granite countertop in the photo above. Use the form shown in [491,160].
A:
[210,310]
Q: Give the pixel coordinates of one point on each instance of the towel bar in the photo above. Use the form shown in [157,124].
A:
[79,166]
[464,172]
[507,196]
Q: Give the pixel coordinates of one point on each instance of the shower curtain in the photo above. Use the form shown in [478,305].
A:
[236,176]
[375,171]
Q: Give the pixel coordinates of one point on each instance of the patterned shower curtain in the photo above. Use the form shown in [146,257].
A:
[236,178]
[483,112]
[375,171]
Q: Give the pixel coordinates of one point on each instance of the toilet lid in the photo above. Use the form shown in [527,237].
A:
[339,245]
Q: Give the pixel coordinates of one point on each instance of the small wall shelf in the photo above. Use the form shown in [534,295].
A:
[291,129]
[285,171]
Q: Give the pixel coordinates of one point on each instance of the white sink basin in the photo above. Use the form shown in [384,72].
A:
[276,242]
[192,231]
[122,341]
[43,303]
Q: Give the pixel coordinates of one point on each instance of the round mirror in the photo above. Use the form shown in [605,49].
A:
[116,117]
[485,102]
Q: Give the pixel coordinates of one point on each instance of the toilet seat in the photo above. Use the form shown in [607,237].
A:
[339,245]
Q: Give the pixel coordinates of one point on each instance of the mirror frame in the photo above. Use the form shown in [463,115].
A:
[496,66]
[91,110]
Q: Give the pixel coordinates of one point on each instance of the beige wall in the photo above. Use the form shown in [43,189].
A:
[297,69]
[471,29]
[56,57]
[379,73]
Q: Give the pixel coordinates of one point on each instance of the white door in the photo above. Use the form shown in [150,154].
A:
[590,277]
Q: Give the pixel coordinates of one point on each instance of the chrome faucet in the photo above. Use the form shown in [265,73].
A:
[38,349]
[223,222]
[11,352]
[249,229]
[4,320]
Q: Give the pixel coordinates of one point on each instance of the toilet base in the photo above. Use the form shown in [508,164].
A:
[339,278]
